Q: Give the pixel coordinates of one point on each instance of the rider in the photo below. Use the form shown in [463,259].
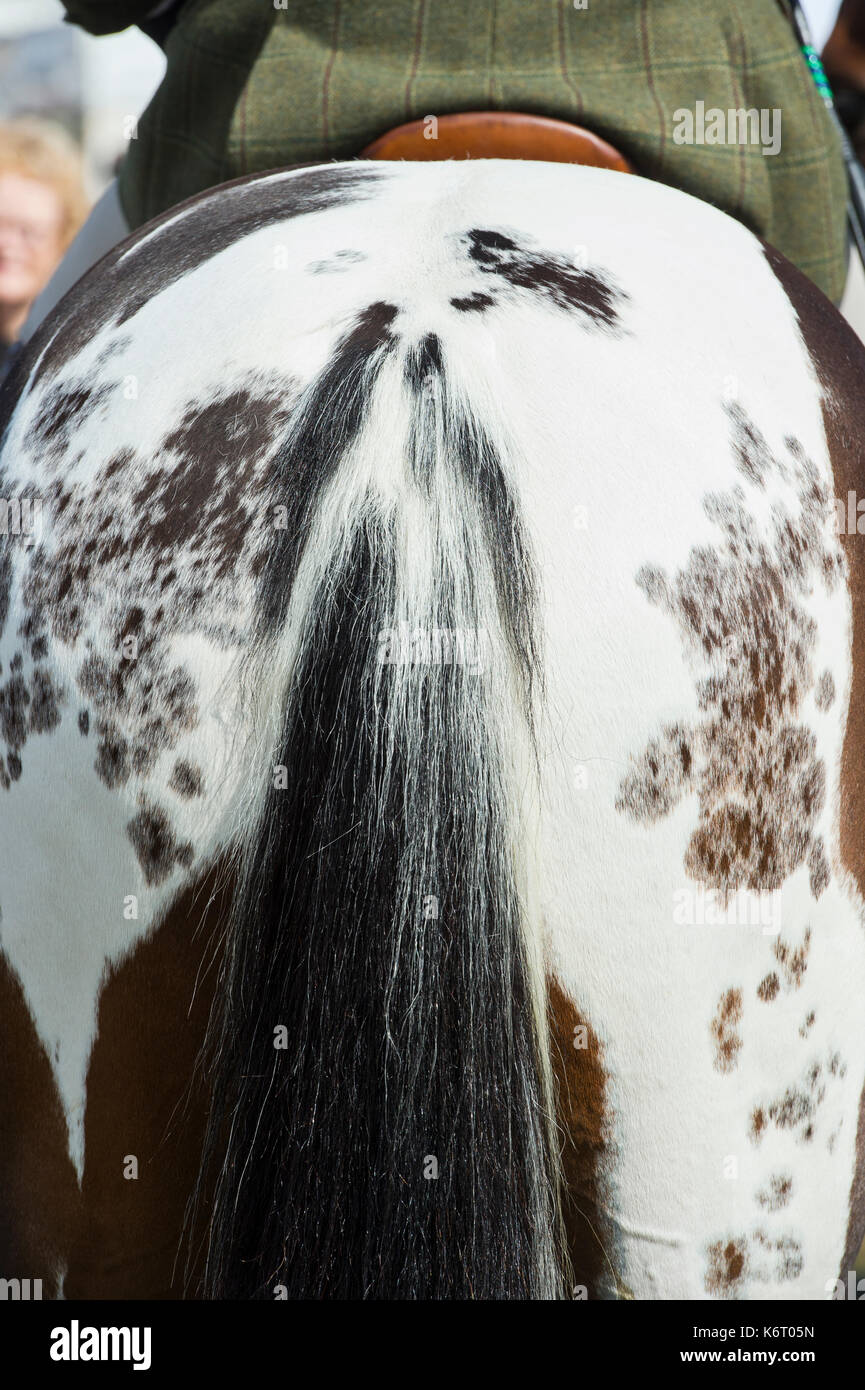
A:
[256,84]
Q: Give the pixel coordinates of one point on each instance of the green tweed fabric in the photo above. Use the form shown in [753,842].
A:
[254,84]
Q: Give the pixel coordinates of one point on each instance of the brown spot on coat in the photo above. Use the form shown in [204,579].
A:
[26,707]
[155,844]
[754,768]
[476,302]
[186,779]
[794,1109]
[793,963]
[14,715]
[549,277]
[63,410]
[200,497]
[818,867]
[724,1030]
[824,696]
[778,1192]
[789,1261]
[768,988]
[727,1267]
[581,1111]
[148,549]
[797,1107]
[112,756]
[753,456]
[732,1262]
[45,701]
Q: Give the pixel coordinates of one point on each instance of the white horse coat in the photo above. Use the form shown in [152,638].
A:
[655,515]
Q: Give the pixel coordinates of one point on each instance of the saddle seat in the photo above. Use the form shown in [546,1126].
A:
[497,135]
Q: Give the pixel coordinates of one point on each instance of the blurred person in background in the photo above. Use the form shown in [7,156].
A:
[259,84]
[42,205]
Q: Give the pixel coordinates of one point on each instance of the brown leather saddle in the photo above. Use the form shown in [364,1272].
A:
[497,135]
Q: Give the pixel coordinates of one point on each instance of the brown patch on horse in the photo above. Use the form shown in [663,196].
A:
[186,779]
[724,1030]
[39,1209]
[778,1192]
[727,1268]
[145,1098]
[839,360]
[750,756]
[789,1261]
[793,963]
[797,1108]
[857,1198]
[154,842]
[768,988]
[824,697]
[581,1111]
[759,1258]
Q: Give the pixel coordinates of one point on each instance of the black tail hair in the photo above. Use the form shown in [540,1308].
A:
[381,1120]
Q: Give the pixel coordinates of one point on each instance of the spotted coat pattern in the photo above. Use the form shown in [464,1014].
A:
[695,653]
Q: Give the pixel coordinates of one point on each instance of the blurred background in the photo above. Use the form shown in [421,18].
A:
[93,87]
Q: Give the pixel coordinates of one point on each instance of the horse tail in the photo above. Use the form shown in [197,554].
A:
[382,1119]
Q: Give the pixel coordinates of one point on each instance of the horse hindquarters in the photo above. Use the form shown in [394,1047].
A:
[534,623]
[702,871]
[655,599]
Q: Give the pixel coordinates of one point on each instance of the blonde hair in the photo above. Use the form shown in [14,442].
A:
[41,150]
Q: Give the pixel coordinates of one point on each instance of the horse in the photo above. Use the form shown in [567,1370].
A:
[432,703]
